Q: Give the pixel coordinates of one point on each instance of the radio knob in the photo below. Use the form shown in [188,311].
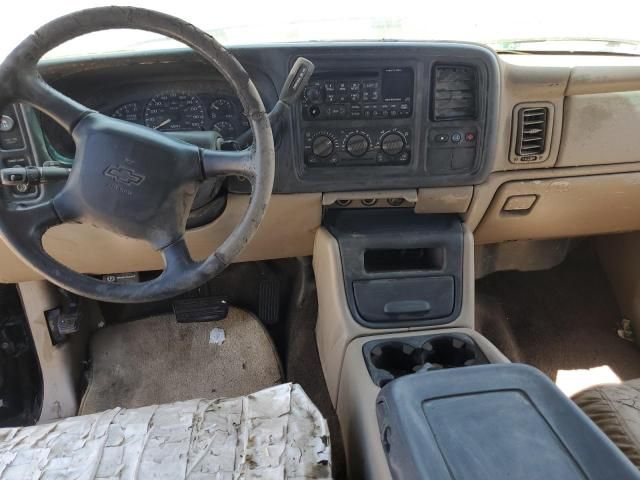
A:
[357,145]
[392,144]
[322,146]
[313,94]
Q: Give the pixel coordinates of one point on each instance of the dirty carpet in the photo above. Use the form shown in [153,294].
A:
[157,360]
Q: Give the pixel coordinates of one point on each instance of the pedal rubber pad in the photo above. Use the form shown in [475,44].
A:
[205,309]
[269,301]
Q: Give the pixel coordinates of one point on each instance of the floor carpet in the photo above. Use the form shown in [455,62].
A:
[156,360]
[565,318]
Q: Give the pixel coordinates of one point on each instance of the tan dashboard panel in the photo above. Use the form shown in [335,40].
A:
[562,207]
[522,83]
[288,230]
[600,129]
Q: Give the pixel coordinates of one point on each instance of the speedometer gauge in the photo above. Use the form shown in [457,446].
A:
[174,111]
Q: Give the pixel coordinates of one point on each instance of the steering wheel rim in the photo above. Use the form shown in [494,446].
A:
[81,198]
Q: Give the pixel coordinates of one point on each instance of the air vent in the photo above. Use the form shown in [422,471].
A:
[532,131]
[454,93]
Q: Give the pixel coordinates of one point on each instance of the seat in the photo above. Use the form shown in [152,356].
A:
[275,433]
[616,410]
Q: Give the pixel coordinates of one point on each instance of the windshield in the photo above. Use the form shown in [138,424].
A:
[545,25]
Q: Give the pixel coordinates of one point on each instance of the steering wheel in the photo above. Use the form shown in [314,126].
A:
[127,178]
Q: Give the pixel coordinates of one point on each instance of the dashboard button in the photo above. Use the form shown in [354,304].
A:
[441,138]
[330,86]
[6,123]
[470,136]
[456,137]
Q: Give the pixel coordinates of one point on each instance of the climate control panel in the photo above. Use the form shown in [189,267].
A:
[353,147]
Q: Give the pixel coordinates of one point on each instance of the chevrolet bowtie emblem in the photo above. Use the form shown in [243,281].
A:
[124,175]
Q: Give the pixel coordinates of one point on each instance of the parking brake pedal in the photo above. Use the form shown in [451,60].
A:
[64,320]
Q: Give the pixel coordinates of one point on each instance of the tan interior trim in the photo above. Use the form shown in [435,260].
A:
[336,327]
[288,230]
[356,406]
[564,207]
[60,365]
[523,84]
[600,129]
[484,193]
[620,258]
[444,200]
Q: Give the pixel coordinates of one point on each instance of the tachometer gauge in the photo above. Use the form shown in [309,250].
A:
[130,112]
[221,109]
[174,111]
[226,129]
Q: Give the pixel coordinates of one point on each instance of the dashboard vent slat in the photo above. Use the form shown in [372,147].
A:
[532,130]
[454,94]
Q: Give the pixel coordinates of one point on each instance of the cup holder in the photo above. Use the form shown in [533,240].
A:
[449,352]
[391,359]
[397,358]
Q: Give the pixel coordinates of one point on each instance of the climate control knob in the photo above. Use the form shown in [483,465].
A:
[357,145]
[392,144]
[322,146]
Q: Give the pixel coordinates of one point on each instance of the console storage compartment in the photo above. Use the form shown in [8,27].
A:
[491,422]
[399,268]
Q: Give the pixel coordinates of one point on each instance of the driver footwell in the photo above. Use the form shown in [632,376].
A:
[156,360]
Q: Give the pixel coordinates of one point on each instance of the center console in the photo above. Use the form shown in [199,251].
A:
[419,393]
[384,94]
[400,269]
[492,422]
[387,117]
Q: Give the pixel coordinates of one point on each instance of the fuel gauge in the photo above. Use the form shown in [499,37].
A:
[221,109]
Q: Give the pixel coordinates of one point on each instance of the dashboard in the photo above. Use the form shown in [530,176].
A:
[375,116]
[520,146]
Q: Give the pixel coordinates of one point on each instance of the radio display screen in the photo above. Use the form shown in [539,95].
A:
[397,84]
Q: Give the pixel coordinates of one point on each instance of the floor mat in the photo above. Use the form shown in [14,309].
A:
[565,318]
[157,360]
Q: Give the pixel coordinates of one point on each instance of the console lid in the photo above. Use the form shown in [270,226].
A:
[491,422]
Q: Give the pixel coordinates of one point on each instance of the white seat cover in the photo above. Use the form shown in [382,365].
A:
[275,433]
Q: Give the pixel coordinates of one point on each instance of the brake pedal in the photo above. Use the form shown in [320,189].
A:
[203,309]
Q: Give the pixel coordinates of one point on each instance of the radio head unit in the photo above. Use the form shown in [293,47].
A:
[381,94]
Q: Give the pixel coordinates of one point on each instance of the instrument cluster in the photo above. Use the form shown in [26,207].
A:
[183,111]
